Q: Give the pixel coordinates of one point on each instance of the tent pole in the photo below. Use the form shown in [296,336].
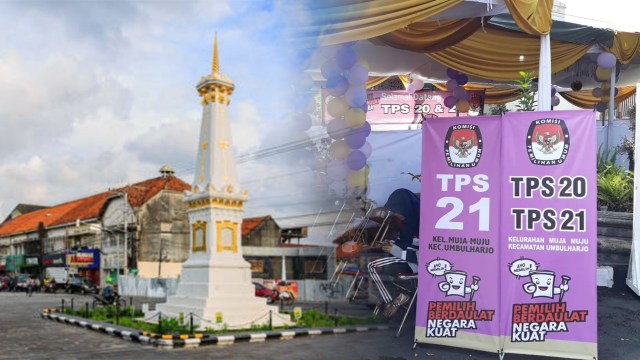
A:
[612,95]
[544,74]
[633,275]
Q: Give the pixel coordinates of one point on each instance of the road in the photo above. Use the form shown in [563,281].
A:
[24,335]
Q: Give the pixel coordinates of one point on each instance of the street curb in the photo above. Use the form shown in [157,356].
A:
[196,340]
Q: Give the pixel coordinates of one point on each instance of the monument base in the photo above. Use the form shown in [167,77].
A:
[220,295]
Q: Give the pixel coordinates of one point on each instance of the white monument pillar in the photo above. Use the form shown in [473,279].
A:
[215,278]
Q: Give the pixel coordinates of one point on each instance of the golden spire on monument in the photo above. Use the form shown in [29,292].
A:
[215,87]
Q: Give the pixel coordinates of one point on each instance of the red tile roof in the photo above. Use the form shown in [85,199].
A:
[249,224]
[89,207]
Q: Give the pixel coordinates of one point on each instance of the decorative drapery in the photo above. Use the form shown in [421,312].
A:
[404,79]
[625,46]
[375,80]
[532,16]
[492,95]
[500,55]
[359,20]
[430,35]
[584,99]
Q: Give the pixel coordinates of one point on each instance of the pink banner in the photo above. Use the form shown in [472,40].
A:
[508,234]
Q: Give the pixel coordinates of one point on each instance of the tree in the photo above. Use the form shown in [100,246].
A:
[527,101]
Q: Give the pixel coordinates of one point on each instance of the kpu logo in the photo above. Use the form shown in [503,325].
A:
[548,142]
[463,146]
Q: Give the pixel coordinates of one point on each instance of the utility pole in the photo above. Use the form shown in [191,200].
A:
[126,240]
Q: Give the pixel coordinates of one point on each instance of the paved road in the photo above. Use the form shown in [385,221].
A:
[24,335]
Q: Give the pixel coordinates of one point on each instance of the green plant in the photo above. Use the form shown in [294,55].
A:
[498,109]
[527,101]
[628,145]
[615,188]
[606,159]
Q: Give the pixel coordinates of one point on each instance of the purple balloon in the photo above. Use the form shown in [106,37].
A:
[450,101]
[358,75]
[365,107]
[411,89]
[330,69]
[301,121]
[337,128]
[366,149]
[615,92]
[468,97]
[452,84]
[337,86]
[555,101]
[356,138]
[554,91]
[451,73]
[366,129]
[346,57]
[606,60]
[462,79]
[596,92]
[356,96]
[460,93]
[601,107]
[356,160]
[337,170]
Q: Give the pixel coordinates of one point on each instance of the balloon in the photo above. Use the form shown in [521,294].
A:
[337,128]
[554,91]
[601,107]
[450,101]
[365,107]
[339,150]
[366,149]
[330,69]
[337,106]
[555,101]
[357,179]
[366,129]
[603,74]
[356,160]
[356,96]
[606,60]
[355,117]
[411,89]
[339,187]
[453,74]
[596,92]
[576,85]
[615,92]
[418,84]
[452,84]
[337,170]
[363,63]
[358,75]
[468,97]
[346,57]
[460,93]
[302,121]
[337,86]
[355,138]
[463,106]
[462,79]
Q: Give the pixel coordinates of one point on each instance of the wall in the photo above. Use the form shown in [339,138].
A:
[136,286]
[164,229]
[149,269]
[265,234]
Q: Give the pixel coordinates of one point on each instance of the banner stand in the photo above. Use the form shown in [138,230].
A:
[633,274]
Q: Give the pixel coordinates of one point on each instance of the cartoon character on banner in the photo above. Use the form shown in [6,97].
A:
[455,283]
[542,282]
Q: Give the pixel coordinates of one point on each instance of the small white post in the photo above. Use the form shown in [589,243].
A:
[633,275]
[284,269]
[544,74]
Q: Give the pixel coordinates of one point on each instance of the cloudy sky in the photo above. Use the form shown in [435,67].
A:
[99,94]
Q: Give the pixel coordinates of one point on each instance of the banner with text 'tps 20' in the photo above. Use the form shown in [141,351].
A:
[508,234]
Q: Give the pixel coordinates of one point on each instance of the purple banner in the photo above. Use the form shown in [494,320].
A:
[548,256]
[460,204]
[508,234]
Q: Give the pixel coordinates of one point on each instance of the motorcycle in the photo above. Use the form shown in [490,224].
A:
[283,293]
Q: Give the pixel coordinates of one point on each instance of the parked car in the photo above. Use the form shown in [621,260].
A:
[21,281]
[263,291]
[81,285]
[4,283]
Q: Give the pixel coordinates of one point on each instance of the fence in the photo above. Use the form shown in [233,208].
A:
[135,286]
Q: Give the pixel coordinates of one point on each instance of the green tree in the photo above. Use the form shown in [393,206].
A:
[527,101]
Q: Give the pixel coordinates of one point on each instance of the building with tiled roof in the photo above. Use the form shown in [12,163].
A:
[93,224]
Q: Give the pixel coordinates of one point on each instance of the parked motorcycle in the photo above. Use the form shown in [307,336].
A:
[283,293]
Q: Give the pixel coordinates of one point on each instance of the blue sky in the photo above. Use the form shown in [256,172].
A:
[102,93]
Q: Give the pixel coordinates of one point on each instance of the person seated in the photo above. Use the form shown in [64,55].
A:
[107,292]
